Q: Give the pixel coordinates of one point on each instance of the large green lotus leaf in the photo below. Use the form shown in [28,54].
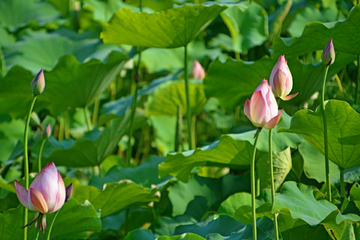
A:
[72,84]
[164,133]
[115,197]
[166,226]
[223,225]
[158,5]
[302,204]
[281,167]
[338,223]
[316,35]
[11,131]
[167,97]
[314,164]
[62,5]
[201,195]
[145,175]
[15,93]
[235,151]
[232,82]
[172,28]
[298,229]
[144,234]
[264,228]
[343,131]
[85,152]
[311,14]
[36,50]
[239,206]
[73,221]
[247,28]
[119,107]
[18,13]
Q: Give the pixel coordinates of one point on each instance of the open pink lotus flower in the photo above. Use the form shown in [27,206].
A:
[47,194]
[281,80]
[198,71]
[262,109]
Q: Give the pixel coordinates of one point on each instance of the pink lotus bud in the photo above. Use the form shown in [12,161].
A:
[37,85]
[47,131]
[198,71]
[262,109]
[46,194]
[69,192]
[281,80]
[328,54]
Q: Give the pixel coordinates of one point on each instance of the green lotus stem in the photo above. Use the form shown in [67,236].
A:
[258,184]
[188,105]
[357,80]
[40,153]
[154,213]
[132,116]
[26,160]
[87,118]
[327,168]
[342,186]
[52,224]
[61,128]
[96,111]
[253,190]
[66,124]
[178,131]
[37,235]
[273,184]
[193,121]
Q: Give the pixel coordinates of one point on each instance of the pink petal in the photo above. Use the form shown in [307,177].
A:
[289,97]
[274,121]
[257,109]
[279,86]
[247,109]
[22,194]
[61,194]
[46,182]
[38,200]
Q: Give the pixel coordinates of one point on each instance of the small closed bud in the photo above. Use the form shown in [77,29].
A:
[37,85]
[198,71]
[47,131]
[34,120]
[328,54]
[69,192]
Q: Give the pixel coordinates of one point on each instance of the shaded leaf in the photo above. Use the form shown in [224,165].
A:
[145,174]
[166,225]
[18,13]
[86,152]
[316,35]
[73,220]
[248,28]
[167,97]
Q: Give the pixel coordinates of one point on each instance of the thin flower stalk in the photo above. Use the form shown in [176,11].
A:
[188,105]
[253,188]
[273,185]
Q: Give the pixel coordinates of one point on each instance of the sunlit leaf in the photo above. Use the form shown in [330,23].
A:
[234,151]
[115,197]
[167,29]
[343,131]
